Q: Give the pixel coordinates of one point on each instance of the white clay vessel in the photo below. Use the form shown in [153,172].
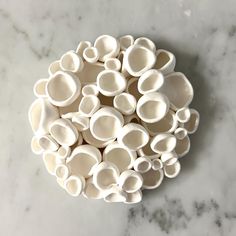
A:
[106,123]
[138,59]
[83,160]
[63,88]
[110,83]
[133,136]
[64,132]
[120,156]
[152,107]
[125,103]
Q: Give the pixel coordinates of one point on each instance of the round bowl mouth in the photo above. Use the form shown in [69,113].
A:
[74,185]
[164,143]
[126,41]
[150,81]
[138,59]
[89,105]
[107,47]
[112,64]
[119,156]
[83,160]
[142,165]
[152,111]
[133,183]
[152,107]
[40,88]
[62,171]
[90,54]
[171,171]
[152,179]
[125,103]
[106,123]
[105,175]
[178,89]
[47,143]
[111,83]
[133,136]
[64,132]
[50,160]
[90,89]
[62,88]
[145,42]
[70,61]
[182,146]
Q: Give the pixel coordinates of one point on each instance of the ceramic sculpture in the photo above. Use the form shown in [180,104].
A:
[113,118]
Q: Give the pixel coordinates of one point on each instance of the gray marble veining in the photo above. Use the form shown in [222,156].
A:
[202,199]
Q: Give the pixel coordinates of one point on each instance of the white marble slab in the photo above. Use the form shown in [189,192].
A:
[202,34]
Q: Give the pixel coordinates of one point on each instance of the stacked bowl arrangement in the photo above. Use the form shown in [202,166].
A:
[112,118]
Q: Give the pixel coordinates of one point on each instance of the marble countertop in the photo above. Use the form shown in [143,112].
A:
[202,199]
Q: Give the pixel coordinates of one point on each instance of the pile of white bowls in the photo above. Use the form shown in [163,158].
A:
[113,118]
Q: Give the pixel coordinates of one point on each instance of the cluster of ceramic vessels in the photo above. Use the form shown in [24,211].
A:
[113,118]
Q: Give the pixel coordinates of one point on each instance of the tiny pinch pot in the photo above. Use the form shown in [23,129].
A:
[82,46]
[157,164]
[192,124]
[178,89]
[112,64]
[89,105]
[138,59]
[145,42]
[90,190]
[90,54]
[150,81]
[63,88]
[107,47]
[152,179]
[163,143]
[165,61]
[126,41]
[130,181]
[115,194]
[120,156]
[110,83]
[41,114]
[142,164]
[48,143]
[135,197]
[180,133]
[90,89]
[83,160]
[125,103]
[63,152]
[133,136]
[152,107]
[171,171]
[72,62]
[106,123]
[74,185]
[64,132]
[105,175]
[40,88]
[62,171]
[183,114]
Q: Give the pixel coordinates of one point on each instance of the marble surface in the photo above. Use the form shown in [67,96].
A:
[202,199]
